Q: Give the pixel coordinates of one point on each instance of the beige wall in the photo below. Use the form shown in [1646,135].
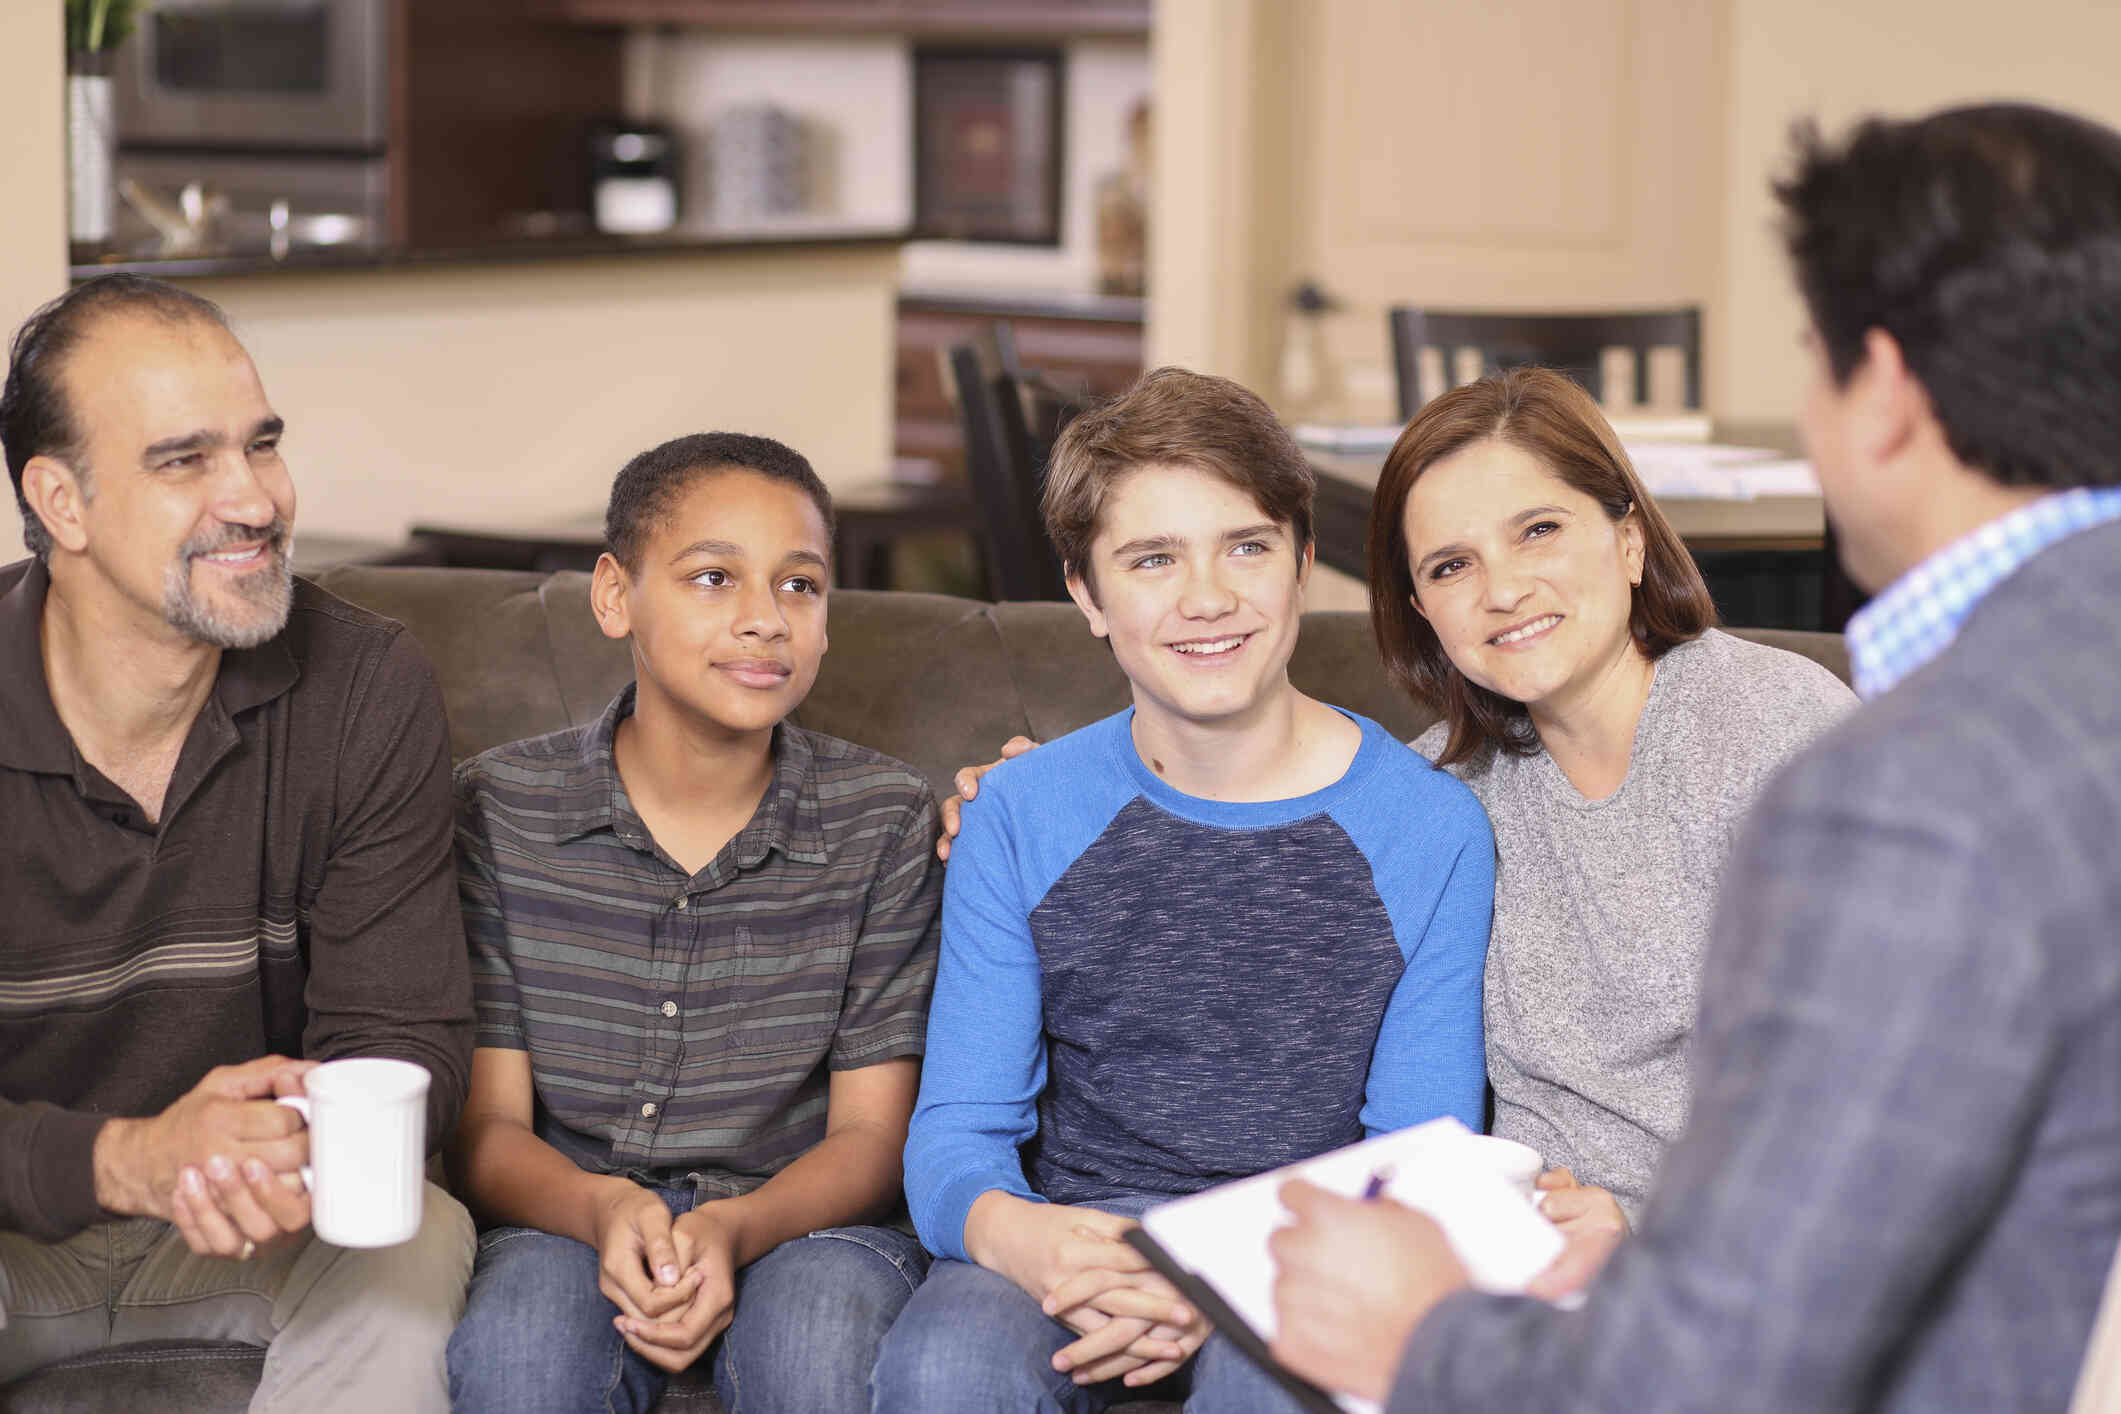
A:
[1558,154]
[514,393]
[33,174]
[1826,57]
[1541,154]
[1538,154]
[1221,189]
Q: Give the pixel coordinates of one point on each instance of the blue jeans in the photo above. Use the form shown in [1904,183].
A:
[537,1334]
[971,1342]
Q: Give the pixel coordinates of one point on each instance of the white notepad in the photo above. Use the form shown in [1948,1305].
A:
[1219,1237]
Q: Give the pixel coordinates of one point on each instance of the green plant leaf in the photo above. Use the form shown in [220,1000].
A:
[96,25]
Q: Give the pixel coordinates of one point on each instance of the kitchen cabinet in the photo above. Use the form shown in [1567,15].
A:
[490,99]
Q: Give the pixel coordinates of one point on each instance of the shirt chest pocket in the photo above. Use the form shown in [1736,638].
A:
[788,987]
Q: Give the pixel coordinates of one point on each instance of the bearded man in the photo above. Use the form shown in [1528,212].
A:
[225,832]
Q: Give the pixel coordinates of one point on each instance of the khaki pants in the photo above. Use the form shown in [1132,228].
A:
[343,1329]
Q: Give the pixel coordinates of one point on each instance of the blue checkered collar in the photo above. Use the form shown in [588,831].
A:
[1920,613]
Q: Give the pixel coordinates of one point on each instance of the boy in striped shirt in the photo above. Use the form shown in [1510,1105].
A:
[702,943]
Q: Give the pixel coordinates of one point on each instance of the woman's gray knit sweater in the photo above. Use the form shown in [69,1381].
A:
[1602,907]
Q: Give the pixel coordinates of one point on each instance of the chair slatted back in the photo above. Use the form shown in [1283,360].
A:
[1574,343]
[1005,460]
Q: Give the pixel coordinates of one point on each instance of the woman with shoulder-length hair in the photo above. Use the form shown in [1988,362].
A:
[1524,585]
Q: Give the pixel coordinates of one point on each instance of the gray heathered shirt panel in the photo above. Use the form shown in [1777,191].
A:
[1602,908]
[1199,1032]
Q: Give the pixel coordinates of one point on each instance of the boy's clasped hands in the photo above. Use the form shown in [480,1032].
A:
[673,1279]
[1134,1325]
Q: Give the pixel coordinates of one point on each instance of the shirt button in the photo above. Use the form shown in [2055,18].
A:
[670,1008]
[648,1110]
[680,904]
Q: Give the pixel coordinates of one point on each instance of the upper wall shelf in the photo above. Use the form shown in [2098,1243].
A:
[317,259]
[970,19]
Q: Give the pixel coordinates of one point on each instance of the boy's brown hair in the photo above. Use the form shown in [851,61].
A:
[1173,417]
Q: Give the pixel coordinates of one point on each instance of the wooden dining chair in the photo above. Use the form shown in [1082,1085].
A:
[1003,412]
[1573,343]
[1340,525]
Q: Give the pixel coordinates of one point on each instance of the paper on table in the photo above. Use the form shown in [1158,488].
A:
[1714,472]
[1346,436]
[1632,427]
[1685,428]
[1779,478]
[1706,471]
[1221,1235]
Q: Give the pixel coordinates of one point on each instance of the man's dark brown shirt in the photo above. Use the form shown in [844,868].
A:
[297,896]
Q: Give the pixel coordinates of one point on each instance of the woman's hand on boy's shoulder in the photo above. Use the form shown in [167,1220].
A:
[967,783]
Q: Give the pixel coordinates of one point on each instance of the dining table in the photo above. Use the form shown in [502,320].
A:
[1765,522]
[869,518]
[1743,501]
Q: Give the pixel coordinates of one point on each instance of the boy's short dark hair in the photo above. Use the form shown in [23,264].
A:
[1987,241]
[1172,417]
[35,418]
[647,488]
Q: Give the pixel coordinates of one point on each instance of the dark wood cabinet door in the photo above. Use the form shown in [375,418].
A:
[942,18]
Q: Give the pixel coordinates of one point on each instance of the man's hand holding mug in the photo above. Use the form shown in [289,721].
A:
[222,1162]
[257,1151]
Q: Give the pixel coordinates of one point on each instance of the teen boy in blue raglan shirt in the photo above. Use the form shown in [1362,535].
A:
[1224,930]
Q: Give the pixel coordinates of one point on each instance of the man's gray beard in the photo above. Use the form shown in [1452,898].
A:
[265,595]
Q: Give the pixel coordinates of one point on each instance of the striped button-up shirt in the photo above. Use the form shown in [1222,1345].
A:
[1919,615]
[682,1026]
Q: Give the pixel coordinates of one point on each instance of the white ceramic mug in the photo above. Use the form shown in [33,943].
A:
[366,1173]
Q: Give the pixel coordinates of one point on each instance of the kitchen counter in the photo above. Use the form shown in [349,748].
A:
[1022,304]
[315,259]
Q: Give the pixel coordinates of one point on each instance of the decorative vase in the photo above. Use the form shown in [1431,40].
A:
[91,146]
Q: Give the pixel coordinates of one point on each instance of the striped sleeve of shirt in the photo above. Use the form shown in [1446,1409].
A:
[493,979]
[885,1011]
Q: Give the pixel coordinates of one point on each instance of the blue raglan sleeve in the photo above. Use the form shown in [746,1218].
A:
[986,1060]
[1431,1055]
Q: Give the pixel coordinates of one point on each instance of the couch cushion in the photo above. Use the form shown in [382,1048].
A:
[1828,650]
[212,1377]
[935,681]
[489,634]
[182,1377]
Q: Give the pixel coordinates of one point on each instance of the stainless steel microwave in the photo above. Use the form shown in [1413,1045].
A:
[271,75]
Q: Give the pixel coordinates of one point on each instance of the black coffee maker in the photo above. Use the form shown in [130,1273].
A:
[633,177]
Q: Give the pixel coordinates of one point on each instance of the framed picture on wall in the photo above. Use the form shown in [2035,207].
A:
[987,144]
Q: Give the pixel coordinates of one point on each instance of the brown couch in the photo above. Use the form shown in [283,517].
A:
[935,681]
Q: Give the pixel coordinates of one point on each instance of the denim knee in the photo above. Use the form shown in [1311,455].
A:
[537,1332]
[1226,1381]
[809,1317]
[970,1340]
